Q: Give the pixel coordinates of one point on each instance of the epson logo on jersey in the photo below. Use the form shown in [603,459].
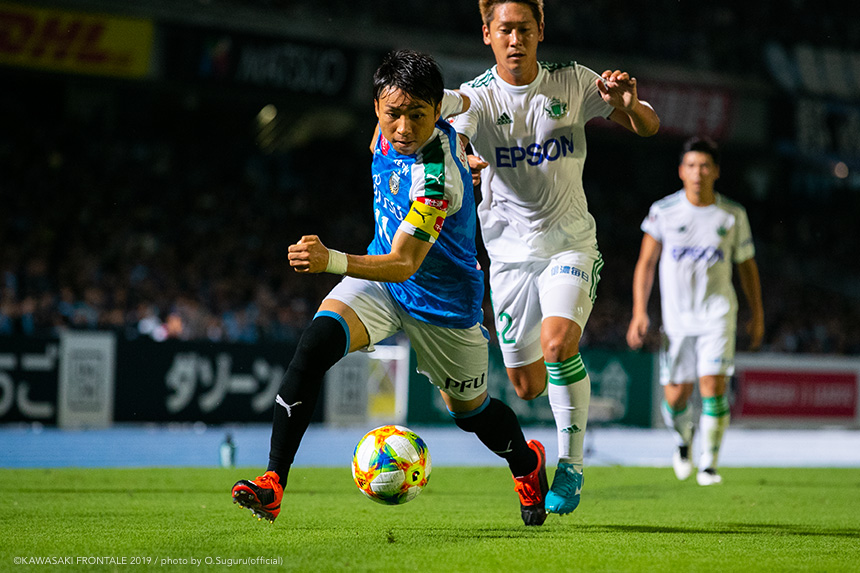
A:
[569,270]
[461,385]
[535,153]
[710,254]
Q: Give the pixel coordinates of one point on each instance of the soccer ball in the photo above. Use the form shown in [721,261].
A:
[391,465]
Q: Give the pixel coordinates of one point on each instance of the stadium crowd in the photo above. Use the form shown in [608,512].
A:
[166,220]
[163,223]
[722,35]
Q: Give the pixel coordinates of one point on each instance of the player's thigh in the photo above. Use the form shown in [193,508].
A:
[716,353]
[568,286]
[517,312]
[454,359]
[677,359]
[372,306]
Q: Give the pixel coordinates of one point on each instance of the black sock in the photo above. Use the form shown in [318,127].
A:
[497,427]
[322,344]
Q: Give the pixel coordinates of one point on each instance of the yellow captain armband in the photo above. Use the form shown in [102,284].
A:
[425,218]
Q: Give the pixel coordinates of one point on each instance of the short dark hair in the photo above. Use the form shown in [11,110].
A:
[702,145]
[411,72]
[488,8]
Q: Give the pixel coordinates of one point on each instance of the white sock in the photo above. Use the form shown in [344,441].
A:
[569,391]
[713,423]
[681,422]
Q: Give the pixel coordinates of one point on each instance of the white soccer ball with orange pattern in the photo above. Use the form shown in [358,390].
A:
[391,465]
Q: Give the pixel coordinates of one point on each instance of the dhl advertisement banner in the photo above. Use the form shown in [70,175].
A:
[74,42]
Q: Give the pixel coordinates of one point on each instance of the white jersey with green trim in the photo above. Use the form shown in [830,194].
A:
[533,138]
[699,247]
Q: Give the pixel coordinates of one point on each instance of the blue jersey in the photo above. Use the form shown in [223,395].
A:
[448,288]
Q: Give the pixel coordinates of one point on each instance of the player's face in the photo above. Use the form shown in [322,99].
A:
[404,121]
[698,171]
[514,35]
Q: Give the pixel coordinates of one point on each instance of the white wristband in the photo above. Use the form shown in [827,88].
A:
[337,262]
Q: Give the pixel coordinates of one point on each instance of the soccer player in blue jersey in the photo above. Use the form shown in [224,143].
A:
[419,276]
[526,125]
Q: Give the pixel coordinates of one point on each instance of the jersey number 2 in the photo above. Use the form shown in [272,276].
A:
[507,322]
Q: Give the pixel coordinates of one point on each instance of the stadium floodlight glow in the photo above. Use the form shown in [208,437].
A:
[267,114]
[840,170]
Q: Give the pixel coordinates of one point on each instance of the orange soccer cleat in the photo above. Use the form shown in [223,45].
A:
[532,489]
[262,495]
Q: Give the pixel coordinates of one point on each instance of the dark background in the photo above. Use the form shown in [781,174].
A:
[163,207]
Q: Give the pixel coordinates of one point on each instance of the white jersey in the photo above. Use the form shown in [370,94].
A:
[533,138]
[700,245]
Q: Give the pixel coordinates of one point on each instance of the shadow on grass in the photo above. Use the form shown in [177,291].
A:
[767,529]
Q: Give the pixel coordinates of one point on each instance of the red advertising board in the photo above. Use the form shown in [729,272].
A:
[797,390]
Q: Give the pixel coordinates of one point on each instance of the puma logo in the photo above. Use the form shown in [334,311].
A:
[288,407]
[507,451]
[436,178]
[422,215]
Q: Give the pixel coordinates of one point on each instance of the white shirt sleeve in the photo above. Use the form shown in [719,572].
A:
[452,104]
[467,123]
[652,224]
[744,246]
[593,104]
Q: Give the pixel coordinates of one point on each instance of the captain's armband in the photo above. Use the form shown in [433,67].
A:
[425,218]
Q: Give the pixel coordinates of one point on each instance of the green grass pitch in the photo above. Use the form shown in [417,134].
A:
[630,519]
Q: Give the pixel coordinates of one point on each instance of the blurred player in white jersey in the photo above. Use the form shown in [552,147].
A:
[526,126]
[420,276]
[696,235]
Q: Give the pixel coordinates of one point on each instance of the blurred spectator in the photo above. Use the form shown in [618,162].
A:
[152,217]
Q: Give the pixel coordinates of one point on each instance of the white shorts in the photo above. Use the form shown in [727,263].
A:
[523,294]
[685,358]
[454,359]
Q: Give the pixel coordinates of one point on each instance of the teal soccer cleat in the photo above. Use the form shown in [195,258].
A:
[563,496]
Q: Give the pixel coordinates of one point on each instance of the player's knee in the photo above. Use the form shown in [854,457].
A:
[559,339]
[322,344]
[472,421]
[559,347]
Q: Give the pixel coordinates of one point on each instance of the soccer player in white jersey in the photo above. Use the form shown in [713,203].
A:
[696,235]
[420,276]
[526,125]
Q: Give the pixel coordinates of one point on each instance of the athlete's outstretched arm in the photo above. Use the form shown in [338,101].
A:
[454,102]
[476,164]
[619,90]
[309,255]
[751,285]
[643,282]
